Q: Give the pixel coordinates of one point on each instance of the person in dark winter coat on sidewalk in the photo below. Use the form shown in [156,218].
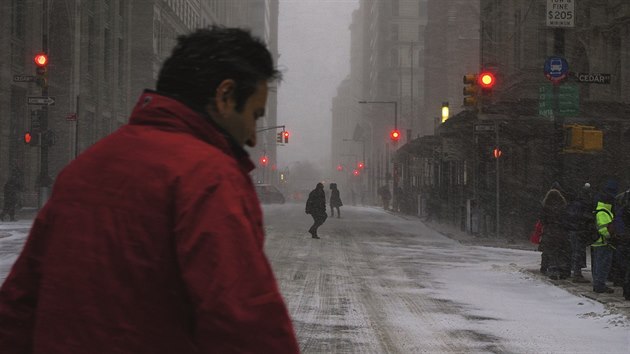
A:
[623,211]
[11,189]
[335,200]
[555,242]
[386,196]
[579,224]
[316,207]
[152,240]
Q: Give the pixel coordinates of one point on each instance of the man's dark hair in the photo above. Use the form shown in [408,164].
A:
[203,59]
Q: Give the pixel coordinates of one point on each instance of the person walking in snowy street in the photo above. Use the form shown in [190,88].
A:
[316,207]
[335,200]
[152,239]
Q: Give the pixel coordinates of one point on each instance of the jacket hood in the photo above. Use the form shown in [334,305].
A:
[170,114]
[554,199]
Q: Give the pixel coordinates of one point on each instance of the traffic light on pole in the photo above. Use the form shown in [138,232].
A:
[394,135]
[470,90]
[41,70]
[285,135]
[497,152]
[279,137]
[486,81]
[31,139]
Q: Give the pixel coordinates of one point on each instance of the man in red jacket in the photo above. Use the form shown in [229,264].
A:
[152,240]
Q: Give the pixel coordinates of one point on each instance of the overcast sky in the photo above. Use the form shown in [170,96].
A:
[314,45]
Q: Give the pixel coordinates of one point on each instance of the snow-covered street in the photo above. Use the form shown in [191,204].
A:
[380,283]
[376,282]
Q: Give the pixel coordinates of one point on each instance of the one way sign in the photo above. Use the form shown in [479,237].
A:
[41,101]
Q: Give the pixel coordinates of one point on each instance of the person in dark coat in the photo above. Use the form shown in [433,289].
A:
[386,196]
[335,200]
[152,239]
[316,207]
[621,240]
[11,189]
[623,212]
[580,224]
[555,241]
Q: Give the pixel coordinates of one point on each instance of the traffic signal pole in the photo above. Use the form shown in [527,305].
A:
[558,121]
[44,179]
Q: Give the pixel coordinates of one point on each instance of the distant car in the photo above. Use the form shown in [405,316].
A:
[269,194]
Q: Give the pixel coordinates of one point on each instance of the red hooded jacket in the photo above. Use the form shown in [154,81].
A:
[151,242]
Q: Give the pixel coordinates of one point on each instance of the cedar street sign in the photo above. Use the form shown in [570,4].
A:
[41,101]
[593,78]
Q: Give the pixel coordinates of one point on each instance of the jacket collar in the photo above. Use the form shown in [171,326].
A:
[157,109]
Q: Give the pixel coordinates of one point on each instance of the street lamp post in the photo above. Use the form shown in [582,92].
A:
[395,109]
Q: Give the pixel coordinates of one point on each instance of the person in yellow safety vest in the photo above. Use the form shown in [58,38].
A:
[601,248]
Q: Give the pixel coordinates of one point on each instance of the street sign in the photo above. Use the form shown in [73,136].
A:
[41,101]
[556,69]
[560,13]
[484,127]
[569,101]
[23,78]
[593,78]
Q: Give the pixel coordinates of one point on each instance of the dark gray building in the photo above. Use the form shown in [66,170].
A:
[102,54]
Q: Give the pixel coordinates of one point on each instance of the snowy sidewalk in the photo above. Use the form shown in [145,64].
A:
[614,302]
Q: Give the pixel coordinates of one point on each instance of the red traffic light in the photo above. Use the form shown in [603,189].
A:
[28,137]
[394,135]
[356,172]
[497,153]
[41,59]
[264,160]
[339,168]
[486,80]
[360,165]
[285,135]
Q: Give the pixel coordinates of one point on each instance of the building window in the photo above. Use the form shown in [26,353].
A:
[107,56]
[394,32]
[395,8]
[91,50]
[17,23]
[393,55]
[121,61]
